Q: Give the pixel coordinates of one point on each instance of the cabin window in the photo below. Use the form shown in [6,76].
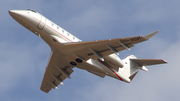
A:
[73,38]
[52,24]
[63,31]
[57,27]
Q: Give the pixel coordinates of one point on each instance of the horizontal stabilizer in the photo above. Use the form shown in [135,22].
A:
[146,62]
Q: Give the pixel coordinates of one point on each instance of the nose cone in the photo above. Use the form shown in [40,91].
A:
[18,14]
[14,13]
[25,17]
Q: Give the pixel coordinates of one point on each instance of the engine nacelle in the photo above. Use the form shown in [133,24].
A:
[114,60]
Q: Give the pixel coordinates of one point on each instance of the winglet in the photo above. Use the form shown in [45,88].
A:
[147,37]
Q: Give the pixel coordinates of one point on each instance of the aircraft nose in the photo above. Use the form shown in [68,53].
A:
[13,13]
[16,13]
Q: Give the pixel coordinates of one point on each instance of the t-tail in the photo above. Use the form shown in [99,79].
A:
[133,65]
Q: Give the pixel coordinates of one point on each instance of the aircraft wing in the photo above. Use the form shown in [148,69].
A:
[56,72]
[99,49]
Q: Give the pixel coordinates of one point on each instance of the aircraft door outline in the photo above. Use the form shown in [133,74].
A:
[41,23]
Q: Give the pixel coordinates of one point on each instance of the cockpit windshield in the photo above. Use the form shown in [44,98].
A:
[32,10]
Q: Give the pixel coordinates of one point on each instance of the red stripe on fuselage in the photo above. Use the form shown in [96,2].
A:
[59,33]
[111,69]
[52,28]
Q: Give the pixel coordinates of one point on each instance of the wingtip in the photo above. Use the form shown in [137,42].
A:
[147,37]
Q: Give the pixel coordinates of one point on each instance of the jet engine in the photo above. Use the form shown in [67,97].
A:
[113,59]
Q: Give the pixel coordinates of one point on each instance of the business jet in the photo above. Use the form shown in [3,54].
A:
[98,57]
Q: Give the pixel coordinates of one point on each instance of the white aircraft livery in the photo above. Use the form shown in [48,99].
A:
[97,57]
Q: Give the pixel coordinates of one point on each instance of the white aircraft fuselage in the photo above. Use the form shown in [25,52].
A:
[55,37]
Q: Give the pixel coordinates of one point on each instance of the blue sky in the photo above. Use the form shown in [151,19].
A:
[24,56]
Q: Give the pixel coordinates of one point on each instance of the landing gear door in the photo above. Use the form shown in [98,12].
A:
[41,23]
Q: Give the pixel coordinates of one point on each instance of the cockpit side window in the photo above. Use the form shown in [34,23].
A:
[32,10]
